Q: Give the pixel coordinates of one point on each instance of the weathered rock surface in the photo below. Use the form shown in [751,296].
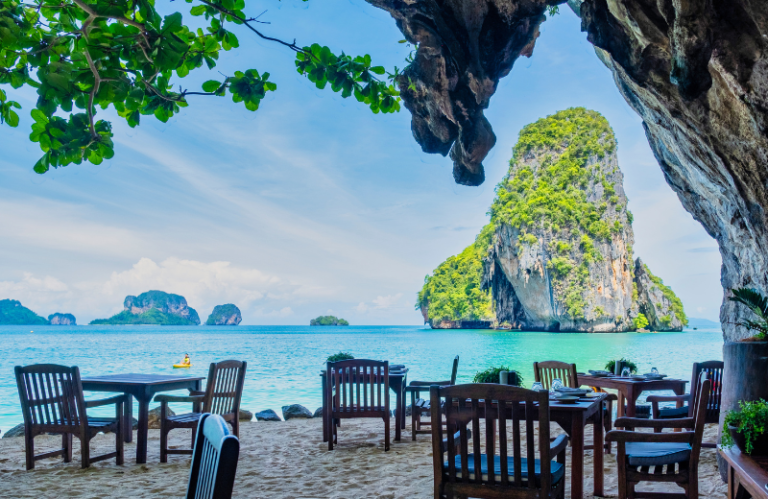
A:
[154,307]
[245,415]
[58,319]
[153,420]
[318,413]
[296,411]
[696,72]
[224,315]
[267,415]
[16,431]
[657,302]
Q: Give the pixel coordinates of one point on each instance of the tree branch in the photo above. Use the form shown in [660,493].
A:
[94,90]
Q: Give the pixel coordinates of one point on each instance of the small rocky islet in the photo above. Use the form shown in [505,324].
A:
[13,313]
[557,252]
[328,320]
[167,309]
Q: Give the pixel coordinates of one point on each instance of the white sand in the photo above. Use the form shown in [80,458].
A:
[277,460]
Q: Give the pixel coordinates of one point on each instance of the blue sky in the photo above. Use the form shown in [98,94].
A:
[312,204]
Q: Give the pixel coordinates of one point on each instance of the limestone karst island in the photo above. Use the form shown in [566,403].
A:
[557,254]
[384,249]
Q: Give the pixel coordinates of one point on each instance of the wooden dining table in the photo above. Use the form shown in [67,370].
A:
[397,383]
[573,419]
[630,389]
[143,387]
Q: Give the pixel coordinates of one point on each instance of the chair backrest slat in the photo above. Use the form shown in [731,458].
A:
[224,388]
[714,371]
[214,460]
[461,407]
[547,371]
[454,370]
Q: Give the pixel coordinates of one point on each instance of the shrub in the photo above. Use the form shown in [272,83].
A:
[491,375]
[340,356]
[750,420]
[640,321]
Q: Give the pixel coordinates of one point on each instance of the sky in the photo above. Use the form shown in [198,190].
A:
[312,204]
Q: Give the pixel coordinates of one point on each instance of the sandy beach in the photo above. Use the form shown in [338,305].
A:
[277,460]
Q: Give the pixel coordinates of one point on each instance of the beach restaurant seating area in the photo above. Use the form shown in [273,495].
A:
[487,439]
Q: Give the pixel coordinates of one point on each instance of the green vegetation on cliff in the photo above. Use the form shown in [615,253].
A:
[151,316]
[555,195]
[328,320]
[12,313]
[676,303]
[453,292]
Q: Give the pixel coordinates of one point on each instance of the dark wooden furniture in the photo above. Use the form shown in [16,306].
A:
[52,401]
[214,461]
[714,370]
[460,472]
[573,418]
[747,475]
[397,383]
[629,389]
[222,395]
[358,388]
[419,406]
[674,457]
[547,371]
[143,387]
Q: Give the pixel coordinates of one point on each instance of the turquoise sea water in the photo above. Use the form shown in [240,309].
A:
[284,361]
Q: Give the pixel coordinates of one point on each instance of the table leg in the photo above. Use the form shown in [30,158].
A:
[398,409]
[577,455]
[404,399]
[622,402]
[631,399]
[325,411]
[128,418]
[599,449]
[141,434]
[197,406]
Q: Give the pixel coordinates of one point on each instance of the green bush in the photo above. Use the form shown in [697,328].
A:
[340,356]
[492,375]
[640,321]
[750,420]
[611,365]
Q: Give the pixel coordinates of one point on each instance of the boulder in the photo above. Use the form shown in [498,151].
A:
[154,418]
[16,431]
[245,415]
[267,415]
[296,411]
[318,413]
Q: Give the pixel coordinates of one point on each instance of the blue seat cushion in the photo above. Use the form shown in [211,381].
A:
[674,412]
[557,469]
[657,453]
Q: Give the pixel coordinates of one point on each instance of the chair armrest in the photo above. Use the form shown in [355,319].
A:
[684,437]
[654,423]
[668,398]
[178,398]
[195,392]
[117,399]
[558,446]
[427,384]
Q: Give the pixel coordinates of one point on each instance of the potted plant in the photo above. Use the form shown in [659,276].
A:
[611,366]
[747,428]
[493,375]
[339,356]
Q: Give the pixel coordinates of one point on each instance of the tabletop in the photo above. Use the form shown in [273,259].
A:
[588,379]
[583,404]
[751,470]
[138,379]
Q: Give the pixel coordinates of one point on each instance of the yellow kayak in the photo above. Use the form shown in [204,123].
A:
[178,366]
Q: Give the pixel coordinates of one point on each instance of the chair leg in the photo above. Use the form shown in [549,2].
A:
[164,432]
[331,432]
[622,470]
[414,419]
[66,444]
[85,451]
[693,483]
[194,436]
[608,423]
[235,426]
[386,433]
[29,444]
[120,439]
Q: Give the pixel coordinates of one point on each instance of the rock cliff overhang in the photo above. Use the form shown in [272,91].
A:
[696,72]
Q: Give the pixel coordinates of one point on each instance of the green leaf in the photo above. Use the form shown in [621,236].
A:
[379,70]
[198,10]
[12,119]
[211,86]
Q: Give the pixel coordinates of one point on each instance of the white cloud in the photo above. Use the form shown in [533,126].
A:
[379,303]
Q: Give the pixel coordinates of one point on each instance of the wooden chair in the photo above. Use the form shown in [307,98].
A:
[214,461]
[714,370]
[356,389]
[223,391]
[52,401]
[462,473]
[679,452]
[547,371]
[420,406]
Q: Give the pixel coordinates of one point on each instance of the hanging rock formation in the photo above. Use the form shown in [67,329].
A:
[696,72]
[557,254]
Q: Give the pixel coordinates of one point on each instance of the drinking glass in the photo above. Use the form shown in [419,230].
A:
[557,384]
[537,386]
[625,372]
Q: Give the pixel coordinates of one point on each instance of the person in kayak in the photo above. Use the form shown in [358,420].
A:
[186,360]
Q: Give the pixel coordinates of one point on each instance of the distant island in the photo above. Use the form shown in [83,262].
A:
[12,313]
[59,319]
[224,315]
[154,307]
[328,320]
[557,253]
